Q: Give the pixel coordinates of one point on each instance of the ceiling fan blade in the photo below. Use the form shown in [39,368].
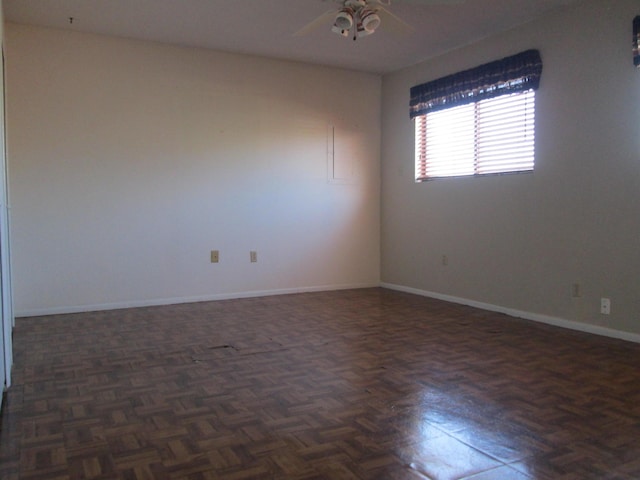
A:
[392,22]
[323,19]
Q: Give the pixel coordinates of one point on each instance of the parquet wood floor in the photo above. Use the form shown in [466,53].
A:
[359,384]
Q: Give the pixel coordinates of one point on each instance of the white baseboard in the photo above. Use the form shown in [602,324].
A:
[193,299]
[536,317]
[558,322]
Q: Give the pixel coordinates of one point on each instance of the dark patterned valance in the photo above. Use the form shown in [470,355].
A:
[636,41]
[517,73]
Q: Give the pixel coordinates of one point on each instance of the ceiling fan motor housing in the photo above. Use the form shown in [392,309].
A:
[355,4]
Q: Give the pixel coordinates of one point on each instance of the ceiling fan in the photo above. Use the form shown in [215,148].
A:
[360,18]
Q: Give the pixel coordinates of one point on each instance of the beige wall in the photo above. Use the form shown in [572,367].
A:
[519,242]
[130,161]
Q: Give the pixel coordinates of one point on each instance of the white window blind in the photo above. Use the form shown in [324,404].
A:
[489,136]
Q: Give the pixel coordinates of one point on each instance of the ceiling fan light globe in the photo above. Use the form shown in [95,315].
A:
[370,21]
[344,19]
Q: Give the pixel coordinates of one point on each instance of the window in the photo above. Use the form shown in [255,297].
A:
[477,122]
[489,136]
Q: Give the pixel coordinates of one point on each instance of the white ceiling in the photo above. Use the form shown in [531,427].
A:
[266,27]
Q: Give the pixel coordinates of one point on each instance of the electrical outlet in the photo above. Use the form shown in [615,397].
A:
[215,256]
[605,306]
[253,256]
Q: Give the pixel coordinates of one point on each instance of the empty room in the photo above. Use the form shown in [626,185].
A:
[320,239]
